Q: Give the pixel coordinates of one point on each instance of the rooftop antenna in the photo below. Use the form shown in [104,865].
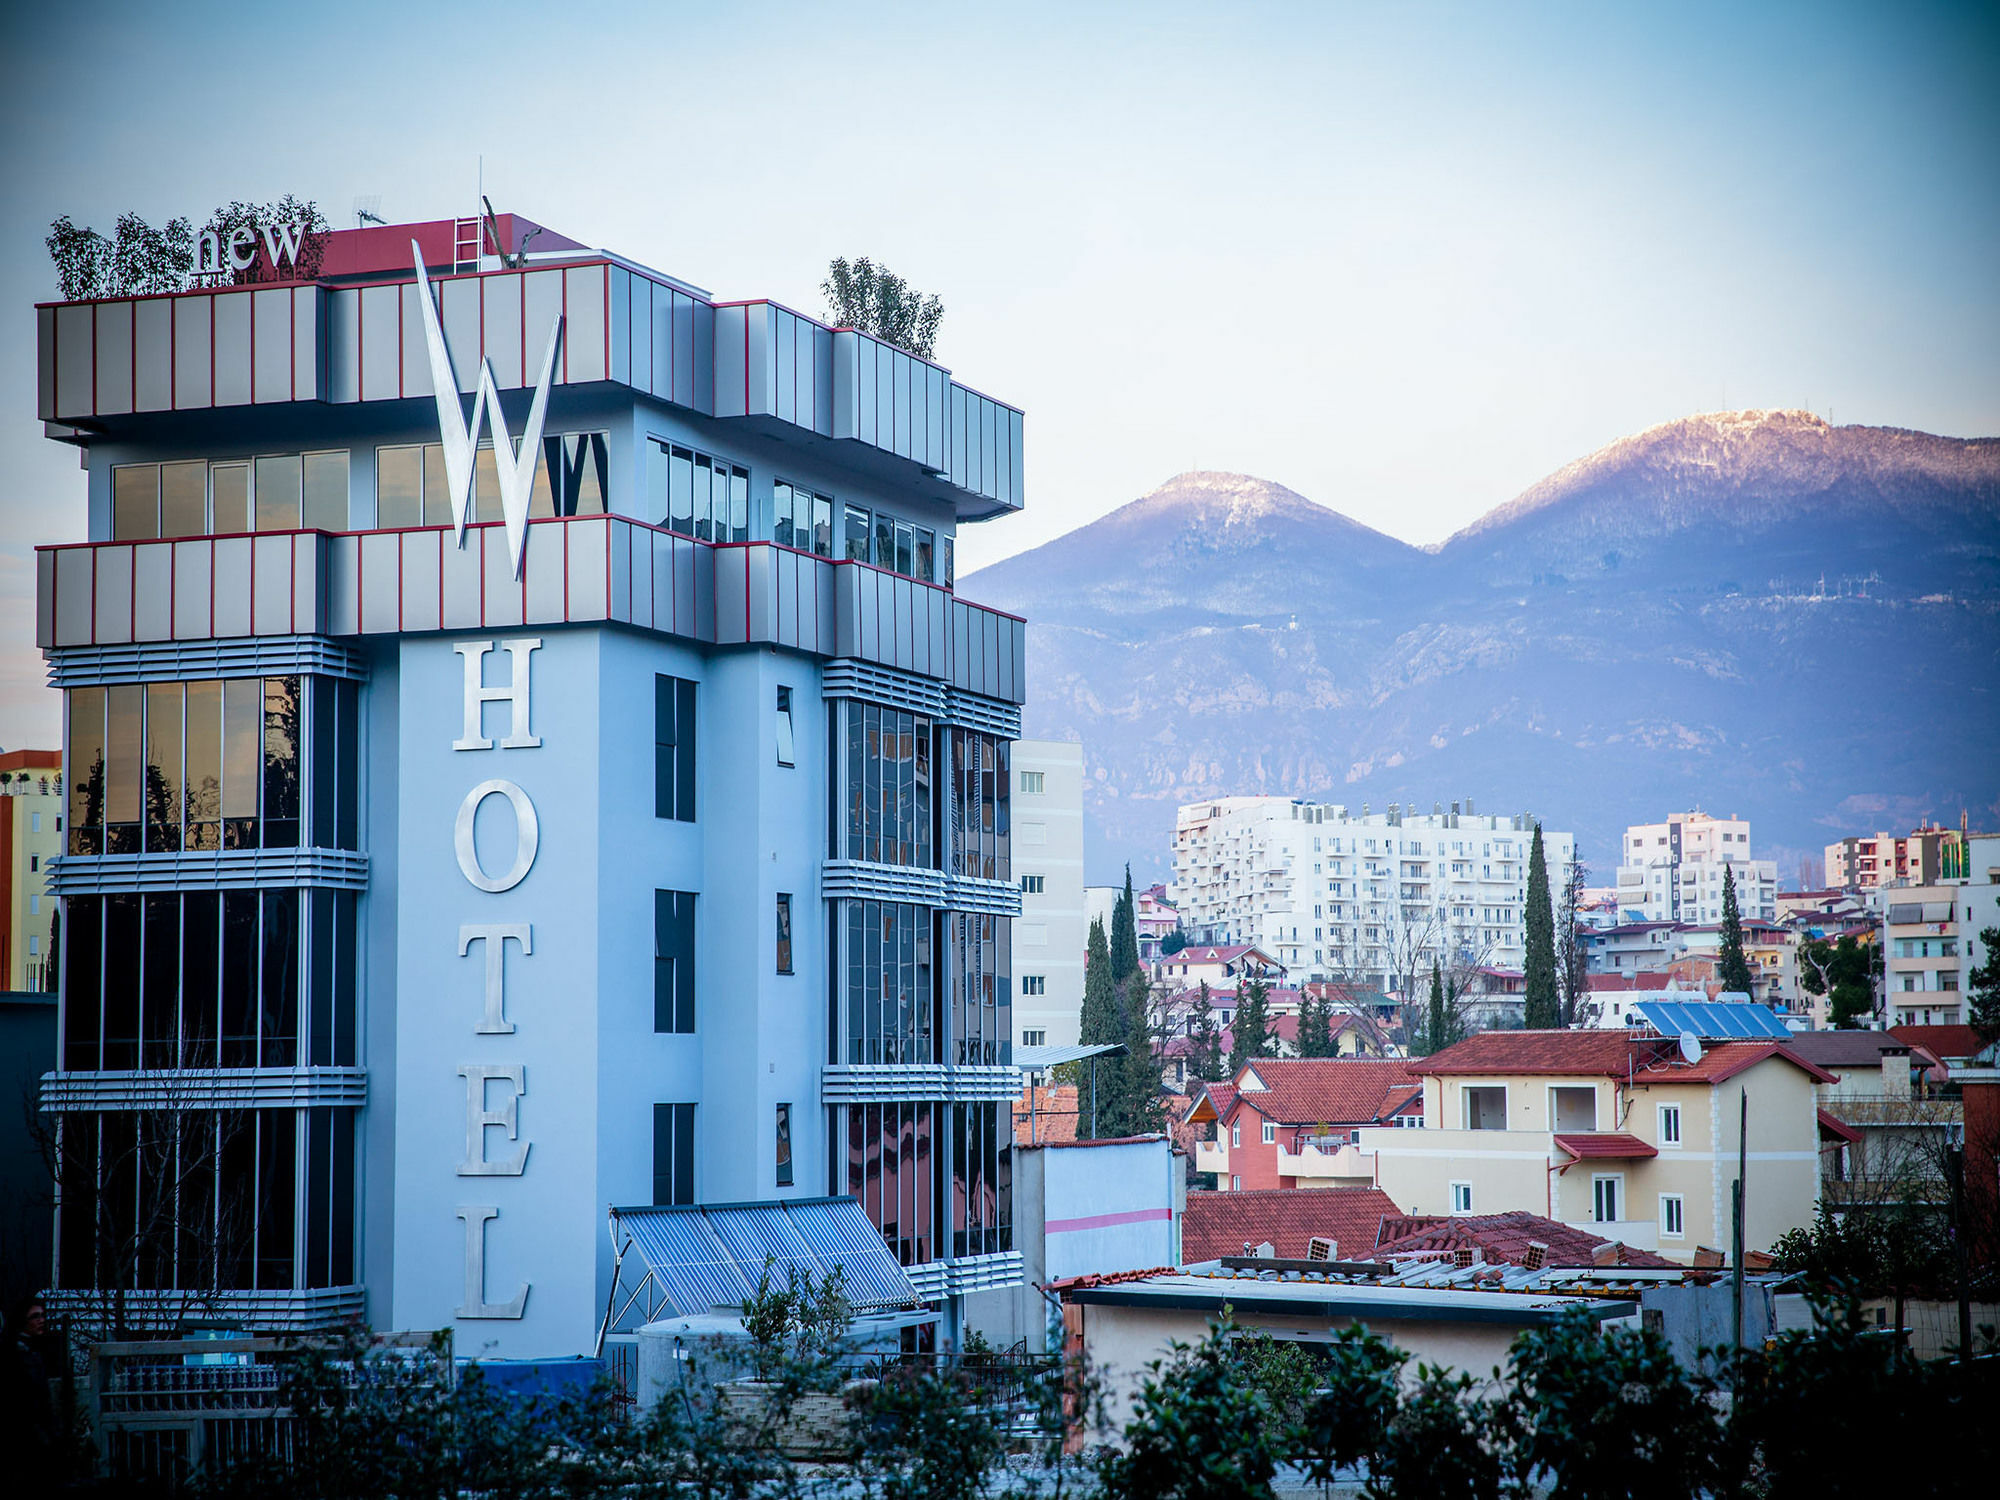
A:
[368,210]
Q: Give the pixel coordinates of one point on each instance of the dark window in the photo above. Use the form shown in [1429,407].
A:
[784,934]
[982,1195]
[673,1154]
[982,998]
[784,1145]
[891,1172]
[891,990]
[695,495]
[787,745]
[673,961]
[888,795]
[673,748]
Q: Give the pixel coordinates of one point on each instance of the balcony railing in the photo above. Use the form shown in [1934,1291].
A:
[1878,1110]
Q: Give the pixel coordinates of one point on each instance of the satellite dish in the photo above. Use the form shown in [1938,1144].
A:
[1690,1047]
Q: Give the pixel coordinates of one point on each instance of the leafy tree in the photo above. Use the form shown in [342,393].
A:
[1541,1011]
[925,1435]
[1982,999]
[139,260]
[1437,1446]
[1605,1414]
[1206,1063]
[1124,934]
[1251,1033]
[1348,1421]
[1883,1250]
[1173,942]
[1733,969]
[875,300]
[1100,1020]
[1844,970]
[1315,1027]
[1200,1430]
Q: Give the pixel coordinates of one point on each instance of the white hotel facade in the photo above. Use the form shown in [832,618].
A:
[460,845]
[1673,871]
[1368,897]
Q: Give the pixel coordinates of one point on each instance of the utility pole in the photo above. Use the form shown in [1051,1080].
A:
[1736,1226]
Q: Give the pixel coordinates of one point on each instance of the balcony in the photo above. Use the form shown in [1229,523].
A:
[1211,1156]
[1328,1161]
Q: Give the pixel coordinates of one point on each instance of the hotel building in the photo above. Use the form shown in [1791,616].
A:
[1673,871]
[463,840]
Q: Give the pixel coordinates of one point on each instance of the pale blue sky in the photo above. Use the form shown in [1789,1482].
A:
[1406,260]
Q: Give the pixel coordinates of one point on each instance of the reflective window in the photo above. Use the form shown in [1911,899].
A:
[888,785]
[572,478]
[783,1139]
[673,748]
[696,495]
[275,492]
[135,502]
[982,1168]
[854,530]
[210,765]
[978,816]
[801,519]
[209,979]
[673,1154]
[784,934]
[891,1172]
[196,498]
[673,962]
[890,994]
[981,989]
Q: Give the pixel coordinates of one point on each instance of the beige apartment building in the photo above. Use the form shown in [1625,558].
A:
[1920,857]
[30,836]
[1612,1131]
[1921,968]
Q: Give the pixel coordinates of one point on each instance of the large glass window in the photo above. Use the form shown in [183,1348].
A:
[891,1172]
[981,989]
[572,478]
[888,792]
[673,961]
[200,1200]
[209,979]
[211,765]
[982,1172]
[696,495]
[890,990]
[801,519]
[673,748]
[979,817]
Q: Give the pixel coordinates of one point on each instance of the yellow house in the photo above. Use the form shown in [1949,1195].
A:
[1614,1131]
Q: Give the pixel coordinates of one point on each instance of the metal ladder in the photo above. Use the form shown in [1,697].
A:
[466,238]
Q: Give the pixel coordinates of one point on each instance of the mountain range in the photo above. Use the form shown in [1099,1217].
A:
[1753,613]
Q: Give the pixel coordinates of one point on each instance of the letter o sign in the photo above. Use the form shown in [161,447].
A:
[527,836]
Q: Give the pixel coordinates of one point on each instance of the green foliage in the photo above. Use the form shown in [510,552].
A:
[1100,1020]
[1285,1378]
[1982,998]
[1124,934]
[1206,1063]
[1173,942]
[925,1436]
[799,1323]
[1443,1023]
[1732,968]
[1443,1443]
[1315,1027]
[1347,1421]
[1572,951]
[1542,1010]
[1895,1247]
[1250,1034]
[1610,1414]
[139,260]
[1843,970]
[1135,1107]
[1189,1438]
[861,294]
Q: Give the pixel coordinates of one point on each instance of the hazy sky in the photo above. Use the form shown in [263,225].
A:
[1403,259]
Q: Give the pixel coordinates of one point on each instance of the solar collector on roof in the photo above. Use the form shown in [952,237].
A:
[1710,1020]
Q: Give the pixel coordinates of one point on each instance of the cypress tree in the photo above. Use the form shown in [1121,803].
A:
[1541,1012]
[1135,1102]
[1206,1063]
[1100,1021]
[1733,969]
[1124,935]
[1253,1024]
[1315,1027]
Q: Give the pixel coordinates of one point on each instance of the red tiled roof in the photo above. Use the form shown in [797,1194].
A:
[1505,1237]
[1326,1090]
[1216,1096]
[1602,1054]
[1837,1129]
[1625,984]
[1943,1042]
[1053,1118]
[1610,1145]
[1217,1224]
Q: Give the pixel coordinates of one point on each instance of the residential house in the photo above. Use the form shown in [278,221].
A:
[1630,947]
[1218,965]
[1515,1238]
[1883,1123]
[1615,1131]
[1218,1224]
[1281,1122]
[1921,972]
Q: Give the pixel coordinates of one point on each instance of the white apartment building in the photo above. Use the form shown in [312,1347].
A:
[1979,904]
[1673,871]
[1367,897]
[1050,933]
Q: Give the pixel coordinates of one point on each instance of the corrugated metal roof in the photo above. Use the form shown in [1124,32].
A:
[702,1257]
[1034,1059]
[1708,1019]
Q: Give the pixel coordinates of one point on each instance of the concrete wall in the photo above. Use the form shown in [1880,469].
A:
[1050,937]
